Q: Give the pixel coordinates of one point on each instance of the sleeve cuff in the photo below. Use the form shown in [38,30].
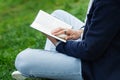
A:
[57,43]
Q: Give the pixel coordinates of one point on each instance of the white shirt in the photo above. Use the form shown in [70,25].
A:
[89,6]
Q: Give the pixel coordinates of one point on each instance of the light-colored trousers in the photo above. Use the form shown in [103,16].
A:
[49,63]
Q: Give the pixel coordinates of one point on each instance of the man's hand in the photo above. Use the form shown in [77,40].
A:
[70,33]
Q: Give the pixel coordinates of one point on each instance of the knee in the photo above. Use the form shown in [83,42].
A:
[56,12]
[21,62]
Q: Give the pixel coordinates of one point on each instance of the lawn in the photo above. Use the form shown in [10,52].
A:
[15,32]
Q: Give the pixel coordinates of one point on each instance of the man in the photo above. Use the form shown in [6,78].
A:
[58,69]
[98,50]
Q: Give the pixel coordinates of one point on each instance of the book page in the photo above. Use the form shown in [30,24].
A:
[45,23]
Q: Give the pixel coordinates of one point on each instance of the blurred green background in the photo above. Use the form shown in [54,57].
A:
[16,33]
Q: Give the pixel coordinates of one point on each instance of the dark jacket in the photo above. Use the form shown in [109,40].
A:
[99,50]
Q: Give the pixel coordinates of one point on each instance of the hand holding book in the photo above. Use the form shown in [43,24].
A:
[54,27]
[46,23]
[67,34]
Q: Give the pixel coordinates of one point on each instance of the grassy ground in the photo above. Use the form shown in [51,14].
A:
[15,33]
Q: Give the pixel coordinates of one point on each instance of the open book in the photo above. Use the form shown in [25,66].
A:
[45,23]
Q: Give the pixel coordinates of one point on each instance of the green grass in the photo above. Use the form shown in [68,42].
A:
[15,32]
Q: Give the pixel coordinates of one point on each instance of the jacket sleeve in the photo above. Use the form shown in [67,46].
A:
[103,28]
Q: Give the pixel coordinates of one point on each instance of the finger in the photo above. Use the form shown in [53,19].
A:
[59,32]
[69,37]
[63,36]
[56,30]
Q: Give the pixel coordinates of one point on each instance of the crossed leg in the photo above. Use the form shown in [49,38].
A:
[51,64]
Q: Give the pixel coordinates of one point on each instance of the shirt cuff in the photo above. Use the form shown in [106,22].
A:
[57,43]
